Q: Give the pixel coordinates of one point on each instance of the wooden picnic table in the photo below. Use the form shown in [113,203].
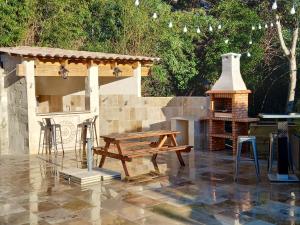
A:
[133,145]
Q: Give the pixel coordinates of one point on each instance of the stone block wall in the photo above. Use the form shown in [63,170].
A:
[14,134]
[119,113]
[3,116]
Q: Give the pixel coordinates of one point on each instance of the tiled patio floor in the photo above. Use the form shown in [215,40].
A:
[201,193]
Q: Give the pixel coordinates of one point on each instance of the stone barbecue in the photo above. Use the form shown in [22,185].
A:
[228,115]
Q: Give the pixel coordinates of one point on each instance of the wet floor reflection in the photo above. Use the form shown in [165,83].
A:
[31,192]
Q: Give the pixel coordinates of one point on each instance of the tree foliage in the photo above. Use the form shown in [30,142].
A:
[190,61]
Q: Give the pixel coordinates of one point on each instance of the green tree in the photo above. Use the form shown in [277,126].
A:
[14,17]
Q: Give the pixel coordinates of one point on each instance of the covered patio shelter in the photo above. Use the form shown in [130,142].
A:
[39,82]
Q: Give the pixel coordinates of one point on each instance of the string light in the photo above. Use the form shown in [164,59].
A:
[137,2]
[272,24]
[198,30]
[220,27]
[210,28]
[259,27]
[250,42]
[266,26]
[277,22]
[226,41]
[154,15]
[170,24]
[293,10]
[248,54]
[185,29]
[253,27]
[274,6]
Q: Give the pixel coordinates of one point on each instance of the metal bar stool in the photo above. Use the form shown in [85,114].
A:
[241,140]
[91,122]
[52,129]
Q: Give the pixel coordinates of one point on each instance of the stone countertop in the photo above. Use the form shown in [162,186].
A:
[63,113]
[194,118]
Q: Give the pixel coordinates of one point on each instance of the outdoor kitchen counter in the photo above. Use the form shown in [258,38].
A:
[62,113]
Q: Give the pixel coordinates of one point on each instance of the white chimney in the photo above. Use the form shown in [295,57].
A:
[231,78]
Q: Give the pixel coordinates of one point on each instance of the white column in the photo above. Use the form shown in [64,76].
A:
[33,128]
[93,88]
[137,73]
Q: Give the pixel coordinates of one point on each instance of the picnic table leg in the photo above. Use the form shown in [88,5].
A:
[178,153]
[123,161]
[155,163]
[107,144]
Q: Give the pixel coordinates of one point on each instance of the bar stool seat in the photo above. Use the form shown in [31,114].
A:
[241,140]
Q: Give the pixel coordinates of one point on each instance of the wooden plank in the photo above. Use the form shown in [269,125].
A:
[152,151]
[145,71]
[137,135]
[110,154]
[20,70]
[49,69]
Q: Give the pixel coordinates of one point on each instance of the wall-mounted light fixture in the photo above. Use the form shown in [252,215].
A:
[63,72]
[117,72]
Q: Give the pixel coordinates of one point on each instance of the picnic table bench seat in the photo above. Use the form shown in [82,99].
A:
[129,154]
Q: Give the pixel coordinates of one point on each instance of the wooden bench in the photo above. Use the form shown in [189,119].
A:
[126,151]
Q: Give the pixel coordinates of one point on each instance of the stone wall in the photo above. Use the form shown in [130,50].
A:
[3,116]
[119,114]
[14,99]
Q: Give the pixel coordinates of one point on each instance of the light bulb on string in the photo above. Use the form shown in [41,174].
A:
[170,25]
[259,27]
[220,27]
[137,2]
[293,10]
[277,22]
[185,29]
[253,27]
[266,26]
[210,28]
[274,6]
[198,30]
[272,24]
[248,54]
[226,41]
[250,42]
[154,15]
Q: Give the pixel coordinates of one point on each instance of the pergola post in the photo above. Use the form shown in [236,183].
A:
[93,89]
[137,73]
[31,104]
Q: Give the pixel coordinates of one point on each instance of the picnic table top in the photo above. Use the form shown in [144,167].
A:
[137,135]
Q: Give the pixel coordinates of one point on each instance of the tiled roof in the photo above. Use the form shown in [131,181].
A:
[70,54]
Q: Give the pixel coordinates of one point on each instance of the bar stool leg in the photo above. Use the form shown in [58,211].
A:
[40,141]
[237,160]
[76,140]
[54,140]
[254,149]
[44,138]
[61,141]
